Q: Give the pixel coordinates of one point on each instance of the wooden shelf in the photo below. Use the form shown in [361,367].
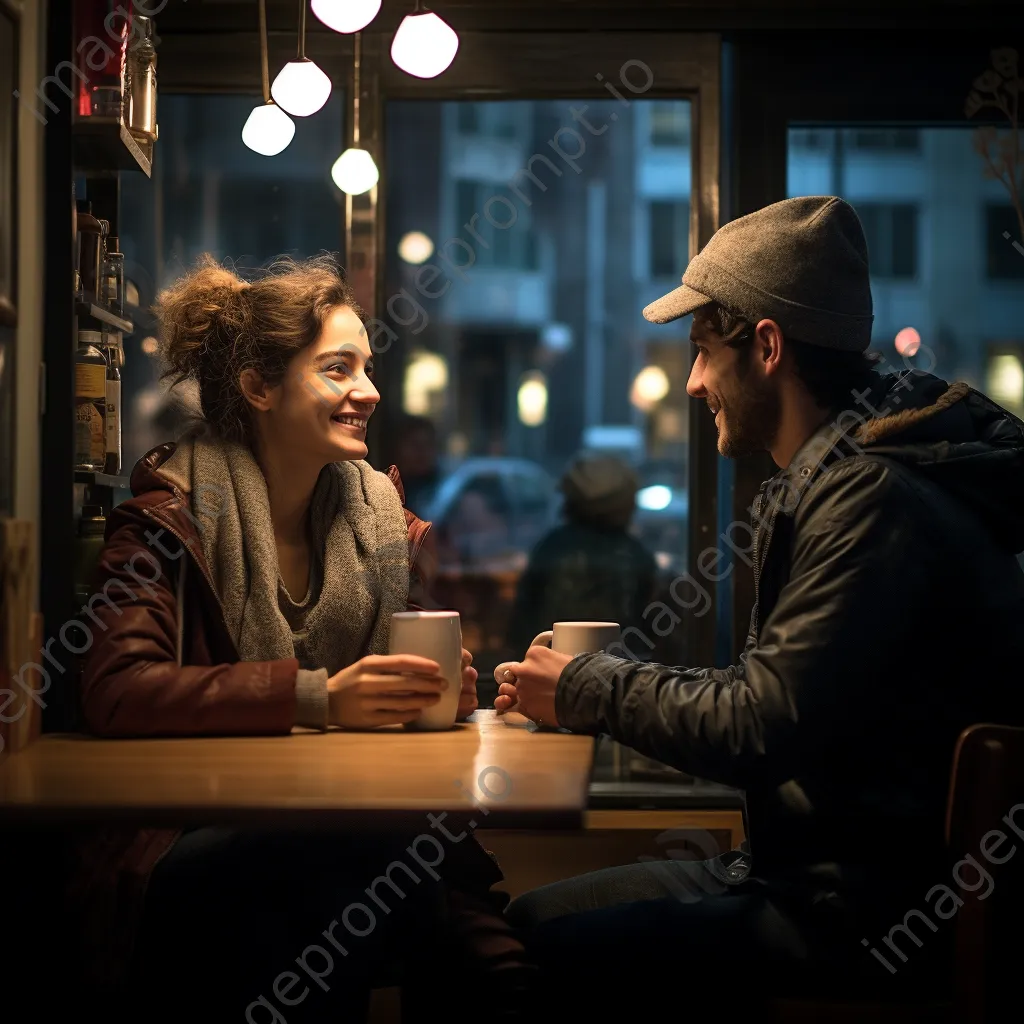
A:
[102,480]
[104,144]
[92,309]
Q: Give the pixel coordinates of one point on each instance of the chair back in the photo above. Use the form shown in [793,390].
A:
[985,836]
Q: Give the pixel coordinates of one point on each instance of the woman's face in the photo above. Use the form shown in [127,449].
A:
[321,407]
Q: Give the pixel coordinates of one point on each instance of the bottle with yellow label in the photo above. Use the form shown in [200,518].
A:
[90,402]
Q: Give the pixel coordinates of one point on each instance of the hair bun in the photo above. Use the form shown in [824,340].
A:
[201,315]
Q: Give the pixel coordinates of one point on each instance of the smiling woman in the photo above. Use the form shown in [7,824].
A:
[278,557]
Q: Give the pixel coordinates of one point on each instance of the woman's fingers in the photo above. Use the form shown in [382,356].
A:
[503,702]
[508,690]
[404,684]
[392,664]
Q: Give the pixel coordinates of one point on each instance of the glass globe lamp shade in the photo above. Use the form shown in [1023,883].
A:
[355,172]
[301,88]
[268,129]
[424,45]
[346,15]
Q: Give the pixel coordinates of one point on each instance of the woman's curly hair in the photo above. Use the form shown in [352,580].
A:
[215,325]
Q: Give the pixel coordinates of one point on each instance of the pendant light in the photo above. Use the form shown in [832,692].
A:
[301,88]
[345,15]
[268,130]
[424,44]
[354,171]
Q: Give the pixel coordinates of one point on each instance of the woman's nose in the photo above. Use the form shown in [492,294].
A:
[365,392]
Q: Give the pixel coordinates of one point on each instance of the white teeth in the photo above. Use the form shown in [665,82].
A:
[352,421]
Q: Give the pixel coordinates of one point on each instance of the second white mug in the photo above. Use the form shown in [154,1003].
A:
[574,638]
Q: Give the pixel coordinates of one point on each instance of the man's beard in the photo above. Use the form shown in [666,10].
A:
[751,420]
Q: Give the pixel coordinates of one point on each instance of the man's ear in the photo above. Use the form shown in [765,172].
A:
[768,335]
[255,390]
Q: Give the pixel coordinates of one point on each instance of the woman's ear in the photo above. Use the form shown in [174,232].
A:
[255,390]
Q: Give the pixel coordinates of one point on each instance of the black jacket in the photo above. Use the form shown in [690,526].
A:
[889,616]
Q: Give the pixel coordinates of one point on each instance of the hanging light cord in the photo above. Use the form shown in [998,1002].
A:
[302,29]
[263,51]
[357,47]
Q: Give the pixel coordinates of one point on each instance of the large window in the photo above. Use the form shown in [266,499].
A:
[670,236]
[947,266]
[542,247]
[891,233]
[1004,261]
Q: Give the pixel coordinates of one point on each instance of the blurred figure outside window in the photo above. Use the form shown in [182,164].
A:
[416,456]
[590,567]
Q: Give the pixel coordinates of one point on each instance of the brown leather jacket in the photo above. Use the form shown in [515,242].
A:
[132,686]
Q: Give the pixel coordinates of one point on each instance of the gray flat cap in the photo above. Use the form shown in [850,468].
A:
[802,263]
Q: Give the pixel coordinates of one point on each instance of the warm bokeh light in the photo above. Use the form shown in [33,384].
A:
[649,388]
[532,399]
[1006,380]
[150,346]
[425,374]
[907,342]
[415,247]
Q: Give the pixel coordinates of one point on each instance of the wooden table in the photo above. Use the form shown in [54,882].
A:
[490,771]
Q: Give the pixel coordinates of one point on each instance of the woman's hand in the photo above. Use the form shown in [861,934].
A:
[384,689]
[468,702]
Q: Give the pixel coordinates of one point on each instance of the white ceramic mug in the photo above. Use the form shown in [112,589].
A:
[437,636]
[579,637]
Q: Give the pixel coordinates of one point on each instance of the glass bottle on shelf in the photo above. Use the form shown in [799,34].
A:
[90,243]
[113,346]
[140,80]
[112,276]
[90,402]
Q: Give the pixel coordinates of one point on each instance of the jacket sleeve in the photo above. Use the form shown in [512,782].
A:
[131,682]
[857,559]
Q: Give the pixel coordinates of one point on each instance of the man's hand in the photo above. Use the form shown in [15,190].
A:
[468,702]
[532,682]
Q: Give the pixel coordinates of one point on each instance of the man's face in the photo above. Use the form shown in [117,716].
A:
[732,380]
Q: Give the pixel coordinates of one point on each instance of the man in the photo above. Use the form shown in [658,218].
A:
[889,616]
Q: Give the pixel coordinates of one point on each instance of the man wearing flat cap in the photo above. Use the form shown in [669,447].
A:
[888,617]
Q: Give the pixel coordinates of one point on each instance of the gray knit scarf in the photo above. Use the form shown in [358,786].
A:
[357,526]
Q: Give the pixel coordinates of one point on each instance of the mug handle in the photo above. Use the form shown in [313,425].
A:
[543,639]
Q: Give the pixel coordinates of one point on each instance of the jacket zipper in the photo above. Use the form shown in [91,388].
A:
[759,555]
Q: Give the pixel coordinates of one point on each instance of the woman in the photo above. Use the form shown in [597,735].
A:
[252,579]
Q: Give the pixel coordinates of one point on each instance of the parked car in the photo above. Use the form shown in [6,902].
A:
[491,509]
